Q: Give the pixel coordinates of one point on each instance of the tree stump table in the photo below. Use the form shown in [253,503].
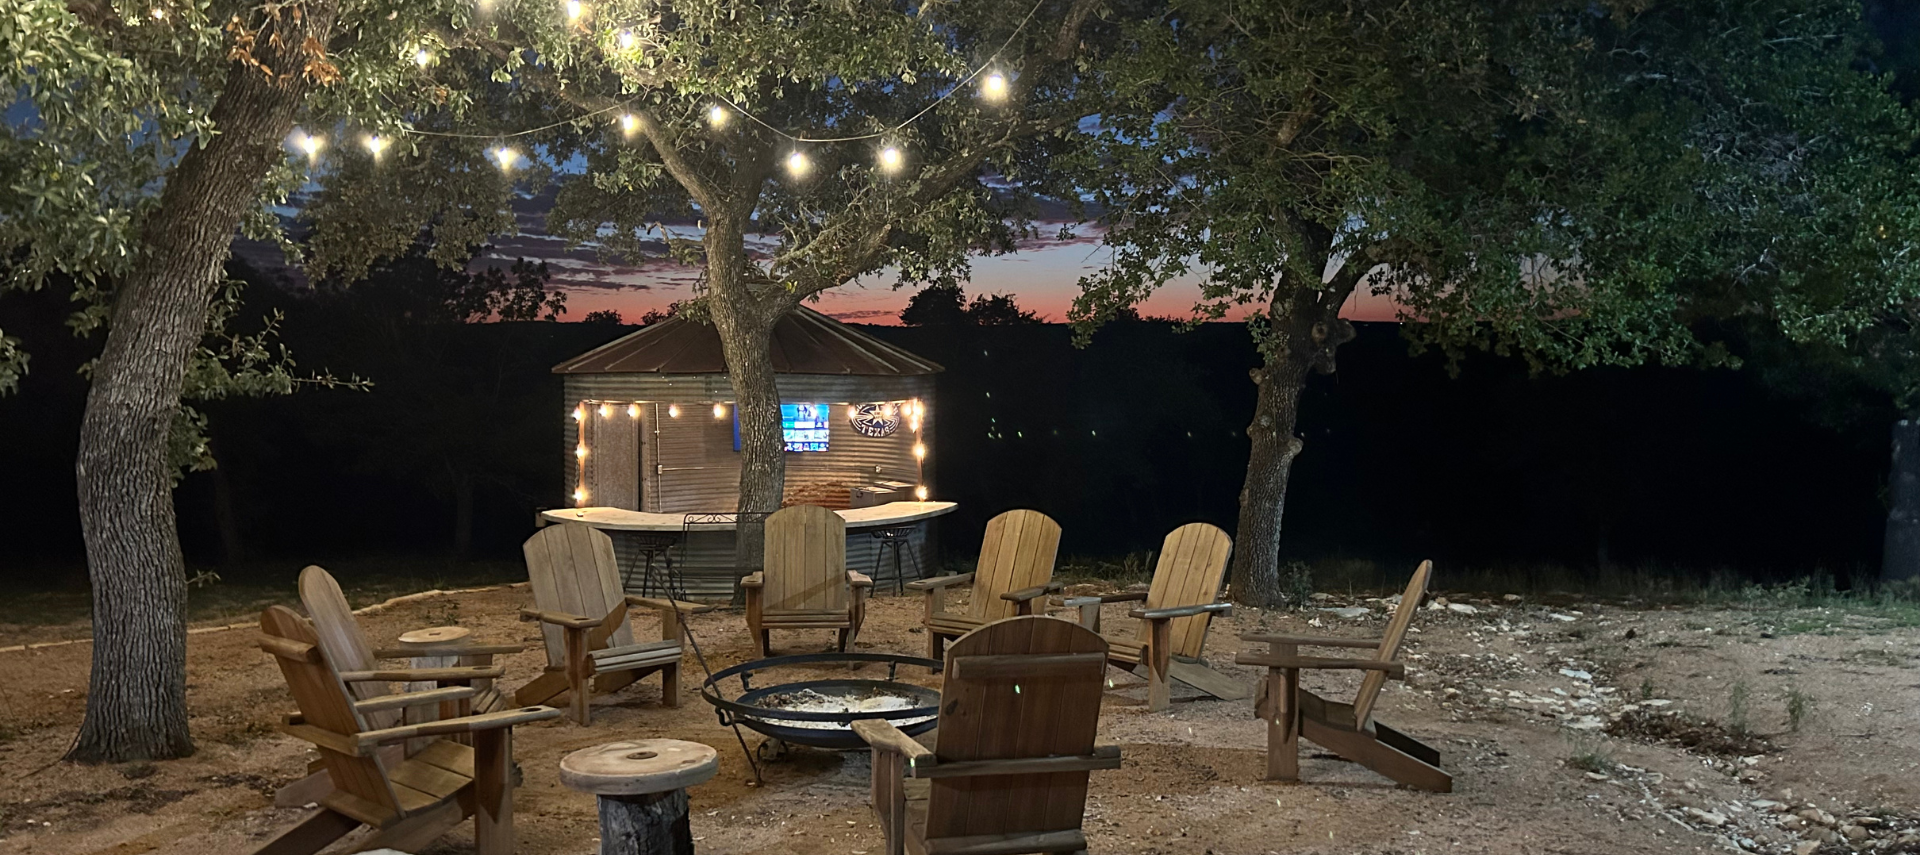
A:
[642,788]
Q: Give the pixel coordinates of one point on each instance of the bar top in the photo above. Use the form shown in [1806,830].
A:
[620,519]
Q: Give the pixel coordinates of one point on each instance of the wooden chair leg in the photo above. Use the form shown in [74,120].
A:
[319,830]
[935,641]
[579,676]
[670,685]
[890,799]
[493,792]
[1283,724]
[1090,616]
[766,643]
[843,640]
[1159,660]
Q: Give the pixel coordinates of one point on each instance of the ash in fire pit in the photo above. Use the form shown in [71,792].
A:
[858,700]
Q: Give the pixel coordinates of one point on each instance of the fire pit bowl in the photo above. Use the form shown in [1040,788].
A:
[821,713]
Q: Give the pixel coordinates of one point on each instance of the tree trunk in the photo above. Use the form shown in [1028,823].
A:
[745,325]
[1306,330]
[136,693]
[1900,556]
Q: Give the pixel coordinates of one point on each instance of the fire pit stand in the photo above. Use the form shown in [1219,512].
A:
[780,711]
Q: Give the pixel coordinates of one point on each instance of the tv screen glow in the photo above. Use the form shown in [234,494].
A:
[803,427]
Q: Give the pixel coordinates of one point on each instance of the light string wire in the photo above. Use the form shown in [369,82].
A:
[992,60]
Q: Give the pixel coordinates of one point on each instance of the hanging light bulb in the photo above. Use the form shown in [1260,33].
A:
[575,11]
[505,156]
[719,411]
[891,159]
[580,451]
[159,14]
[717,116]
[673,411]
[920,492]
[423,57]
[797,164]
[994,87]
[605,411]
[579,414]
[580,496]
[633,411]
[377,145]
[629,123]
[919,451]
[627,40]
[311,144]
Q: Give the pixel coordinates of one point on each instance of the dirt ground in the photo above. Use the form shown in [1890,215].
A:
[1563,724]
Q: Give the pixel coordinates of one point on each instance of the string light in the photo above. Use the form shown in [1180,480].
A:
[797,164]
[423,57]
[719,411]
[311,144]
[505,156]
[717,116]
[580,452]
[994,87]
[629,123]
[919,451]
[633,411]
[627,40]
[575,11]
[580,496]
[891,159]
[159,14]
[605,411]
[673,411]
[920,492]
[579,414]
[377,145]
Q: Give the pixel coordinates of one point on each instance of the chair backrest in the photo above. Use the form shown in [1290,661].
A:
[1390,642]
[806,561]
[325,704]
[1193,562]
[1036,694]
[572,569]
[342,639]
[1016,553]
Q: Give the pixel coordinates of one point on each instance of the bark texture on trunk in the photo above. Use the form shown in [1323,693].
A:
[136,693]
[1900,556]
[745,324]
[1306,330]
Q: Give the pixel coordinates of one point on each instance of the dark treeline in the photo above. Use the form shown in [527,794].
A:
[455,445]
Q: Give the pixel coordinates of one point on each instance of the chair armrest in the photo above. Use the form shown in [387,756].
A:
[666,605]
[859,580]
[569,621]
[424,675]
[934,583]
[1127,597]
[450,650]
[1310,640]
[1396,670]
[1102,757]
[404,700]
[1033,593]
[754,580]
[370,741]
[881,733]
[1182,611]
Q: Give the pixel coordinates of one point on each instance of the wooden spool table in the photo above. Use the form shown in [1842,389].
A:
[642,788]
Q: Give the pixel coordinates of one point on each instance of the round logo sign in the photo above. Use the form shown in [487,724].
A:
[875,420]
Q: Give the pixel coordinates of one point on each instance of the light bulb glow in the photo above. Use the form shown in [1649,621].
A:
[627,40]
[311,144]
[717,116]
[920,492]
[891,159]
[575,10]
[673,411]
[605,411]
[580,497]
[505,156]
[994,87]
[797,164]
[919,451]
[629,123]
[580,452]
[579,414]
[719,411]
[377,145]
[633,411]
[159,14]
[423,57]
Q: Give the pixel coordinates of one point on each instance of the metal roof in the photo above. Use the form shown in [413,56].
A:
[804,342]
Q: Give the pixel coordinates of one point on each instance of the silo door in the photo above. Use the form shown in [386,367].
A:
[613,457]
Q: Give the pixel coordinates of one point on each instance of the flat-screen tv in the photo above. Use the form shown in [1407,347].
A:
[802,426]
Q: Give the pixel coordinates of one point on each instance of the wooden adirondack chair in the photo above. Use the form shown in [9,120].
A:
[1348,730]
[346,645]
[1019,710]
[1173,621]
[410,801]
[583,616]
[1015,568]
[805,583]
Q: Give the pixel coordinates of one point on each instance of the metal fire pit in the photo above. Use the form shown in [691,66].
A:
[761,709]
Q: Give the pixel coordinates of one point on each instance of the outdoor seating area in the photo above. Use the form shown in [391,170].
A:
[1009,712]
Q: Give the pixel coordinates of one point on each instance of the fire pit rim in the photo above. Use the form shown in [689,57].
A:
[773,721]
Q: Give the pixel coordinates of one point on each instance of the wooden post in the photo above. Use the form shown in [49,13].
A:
[579,675]
[493,791]
[1159,661]
[651,824]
